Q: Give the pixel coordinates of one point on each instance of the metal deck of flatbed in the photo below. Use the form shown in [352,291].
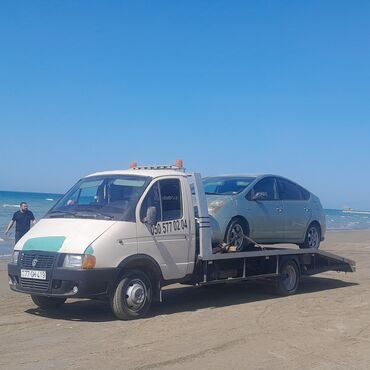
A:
[318,261]
[280,252]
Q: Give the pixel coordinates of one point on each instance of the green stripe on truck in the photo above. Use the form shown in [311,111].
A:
[89,250]
[45,244]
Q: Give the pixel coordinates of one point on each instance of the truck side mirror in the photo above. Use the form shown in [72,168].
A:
[260,196]
[151,216]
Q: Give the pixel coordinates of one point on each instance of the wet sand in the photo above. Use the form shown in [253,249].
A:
[325,326]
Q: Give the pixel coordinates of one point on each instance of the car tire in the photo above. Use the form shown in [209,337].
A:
[288,280]
[132,296]
[312,238]
[47,302]
[236,228]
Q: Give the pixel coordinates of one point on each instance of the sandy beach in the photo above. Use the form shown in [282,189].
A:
[325,326]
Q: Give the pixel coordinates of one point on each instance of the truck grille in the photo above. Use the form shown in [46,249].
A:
[40,261]
[39,285]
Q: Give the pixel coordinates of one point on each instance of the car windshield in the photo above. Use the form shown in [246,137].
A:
[104,197]
[226,185]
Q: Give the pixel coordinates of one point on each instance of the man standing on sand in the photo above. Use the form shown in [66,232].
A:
[22,220]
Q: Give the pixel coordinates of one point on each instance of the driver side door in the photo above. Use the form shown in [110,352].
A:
[168,241]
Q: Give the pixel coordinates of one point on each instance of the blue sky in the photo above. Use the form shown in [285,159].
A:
[228,86]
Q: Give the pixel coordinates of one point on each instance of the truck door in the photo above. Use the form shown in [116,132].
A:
[168,241]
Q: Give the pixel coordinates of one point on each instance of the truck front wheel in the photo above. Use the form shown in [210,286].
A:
[132,296]
[47,302]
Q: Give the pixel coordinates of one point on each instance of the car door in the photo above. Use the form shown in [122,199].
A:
[296,208]
[266,214]
[168,241]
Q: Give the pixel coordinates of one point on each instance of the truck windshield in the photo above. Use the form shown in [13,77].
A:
[103,197]
[226,185]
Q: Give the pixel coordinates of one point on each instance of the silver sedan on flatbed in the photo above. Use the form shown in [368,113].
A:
[269,209]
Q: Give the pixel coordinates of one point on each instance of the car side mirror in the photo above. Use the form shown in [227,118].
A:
[151,216]
[260,196]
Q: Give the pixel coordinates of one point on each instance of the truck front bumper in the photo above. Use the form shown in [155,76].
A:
[64,282]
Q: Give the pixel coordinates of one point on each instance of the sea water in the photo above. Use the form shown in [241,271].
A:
[40,203]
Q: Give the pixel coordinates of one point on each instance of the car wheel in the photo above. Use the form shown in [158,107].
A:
[234,234]
[313,237]
[288,280]
[133,296]
[47,302]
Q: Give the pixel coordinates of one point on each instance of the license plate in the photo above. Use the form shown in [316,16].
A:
[33,274]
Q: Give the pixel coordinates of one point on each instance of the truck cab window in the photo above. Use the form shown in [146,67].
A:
[165,196]
[102,197]
[171,199]
[152,199]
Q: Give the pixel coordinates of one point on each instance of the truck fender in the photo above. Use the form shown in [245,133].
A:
[148,265]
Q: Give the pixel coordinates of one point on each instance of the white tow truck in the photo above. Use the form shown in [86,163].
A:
[124,235]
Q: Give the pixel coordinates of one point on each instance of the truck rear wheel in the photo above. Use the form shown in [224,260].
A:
[288,280]
[47,302]
[133,296]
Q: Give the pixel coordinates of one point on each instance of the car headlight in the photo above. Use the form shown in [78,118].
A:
[15,256]
[215,206]
[79,261]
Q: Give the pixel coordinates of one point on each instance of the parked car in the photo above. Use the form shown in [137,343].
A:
[269,209]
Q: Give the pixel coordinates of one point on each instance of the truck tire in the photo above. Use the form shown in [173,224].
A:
[47,302]
[234,233]
[289,278]
[132,296]
[312,238]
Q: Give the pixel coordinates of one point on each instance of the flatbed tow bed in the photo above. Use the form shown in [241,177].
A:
[312,261]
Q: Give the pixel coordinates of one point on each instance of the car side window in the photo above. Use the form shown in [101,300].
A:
[267,186]
[165,196]
[291,191]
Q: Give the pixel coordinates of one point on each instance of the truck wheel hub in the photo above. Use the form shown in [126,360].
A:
[135,294]
[289,277]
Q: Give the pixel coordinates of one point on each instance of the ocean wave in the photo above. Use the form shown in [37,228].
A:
[50,199]
[11,205]
[2,240]
[5,256]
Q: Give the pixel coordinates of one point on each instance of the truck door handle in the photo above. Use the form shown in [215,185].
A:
[279,209]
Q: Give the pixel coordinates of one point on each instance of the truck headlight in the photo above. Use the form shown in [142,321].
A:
[73,261]
[79,261]
[15,256]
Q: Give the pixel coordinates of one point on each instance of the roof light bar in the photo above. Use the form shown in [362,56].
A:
[178,166]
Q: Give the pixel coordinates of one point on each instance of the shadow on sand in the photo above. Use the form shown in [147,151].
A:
[188,298]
